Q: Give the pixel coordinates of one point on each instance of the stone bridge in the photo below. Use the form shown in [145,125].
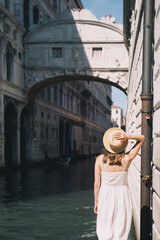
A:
[77,46]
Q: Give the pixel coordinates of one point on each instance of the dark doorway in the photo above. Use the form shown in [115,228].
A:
[67,140]
[10,118]
[61,139]
[25,149]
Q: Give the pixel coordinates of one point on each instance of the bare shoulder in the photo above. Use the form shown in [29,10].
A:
[98,158]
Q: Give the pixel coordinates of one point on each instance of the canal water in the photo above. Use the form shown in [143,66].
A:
[44,203]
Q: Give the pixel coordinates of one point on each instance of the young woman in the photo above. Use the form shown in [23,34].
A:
[112,201]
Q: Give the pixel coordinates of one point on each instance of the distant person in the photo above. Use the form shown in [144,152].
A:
[68,160]
[112,200]
[45,149]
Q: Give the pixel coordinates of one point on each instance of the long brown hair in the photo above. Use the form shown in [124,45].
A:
[115,158]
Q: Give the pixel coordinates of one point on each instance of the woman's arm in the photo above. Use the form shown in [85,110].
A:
[96,183]
[134,151]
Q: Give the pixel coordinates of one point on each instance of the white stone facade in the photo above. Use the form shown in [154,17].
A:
[116,116]
[133,118]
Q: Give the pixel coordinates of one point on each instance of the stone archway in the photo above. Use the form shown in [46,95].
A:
[61,76]
[77,46]
[10,116]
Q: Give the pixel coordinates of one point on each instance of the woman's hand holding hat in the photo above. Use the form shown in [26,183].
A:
[115,144]
[122,136]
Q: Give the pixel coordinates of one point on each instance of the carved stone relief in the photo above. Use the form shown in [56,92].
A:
[3,42]
[18,11]
[6,28]
[108,19]
[30,79]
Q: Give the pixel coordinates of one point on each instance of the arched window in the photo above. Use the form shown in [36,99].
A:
[55,94]
[59,6]
[14,35]
[7,4]
[26,13]
[61,95]
[55,5]
[9,62]
[68,97]
[49,93]
[35,15]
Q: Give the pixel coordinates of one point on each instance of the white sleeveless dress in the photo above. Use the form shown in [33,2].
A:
[114,206]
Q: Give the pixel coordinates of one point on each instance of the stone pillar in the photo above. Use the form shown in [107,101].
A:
[18,141]
[1,60]
[2,160]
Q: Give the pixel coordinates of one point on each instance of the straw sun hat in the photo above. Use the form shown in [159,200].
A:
[111,143]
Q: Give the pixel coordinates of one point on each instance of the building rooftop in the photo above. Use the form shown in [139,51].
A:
[114,106]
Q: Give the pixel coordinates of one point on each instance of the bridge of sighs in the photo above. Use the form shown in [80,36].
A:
[77,46]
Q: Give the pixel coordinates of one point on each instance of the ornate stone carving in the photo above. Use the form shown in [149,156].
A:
[117,63]
[66,72]
[77,71]
[3,42]
[30,79]
[89,73]
[6,28]
[76,53]
[121,80]
[104,75]
[108,19]
[77,14]
[18,10]
[96,74]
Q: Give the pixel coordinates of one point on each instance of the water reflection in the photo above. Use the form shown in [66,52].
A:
[47,203]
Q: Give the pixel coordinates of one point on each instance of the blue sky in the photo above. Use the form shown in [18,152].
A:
[115,8]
